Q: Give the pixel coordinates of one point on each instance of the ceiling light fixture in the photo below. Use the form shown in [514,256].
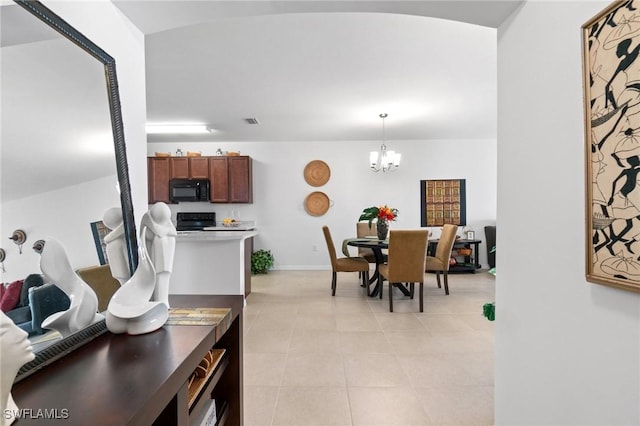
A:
[383,160]
[178,128]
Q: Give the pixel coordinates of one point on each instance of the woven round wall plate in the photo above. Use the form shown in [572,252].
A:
[316,203]
[317,173]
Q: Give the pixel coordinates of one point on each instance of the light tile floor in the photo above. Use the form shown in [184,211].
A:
[314,359]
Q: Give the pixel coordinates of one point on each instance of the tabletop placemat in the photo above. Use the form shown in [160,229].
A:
[346,241]
[199,316]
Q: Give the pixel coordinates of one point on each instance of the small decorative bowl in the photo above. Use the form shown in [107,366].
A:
[231,224]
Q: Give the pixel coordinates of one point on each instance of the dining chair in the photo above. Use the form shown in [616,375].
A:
[407,254]
[345,264]
[363,230]
[440,262]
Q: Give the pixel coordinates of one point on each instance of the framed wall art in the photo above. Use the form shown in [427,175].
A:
[443,201]
[611,73]
[99,231]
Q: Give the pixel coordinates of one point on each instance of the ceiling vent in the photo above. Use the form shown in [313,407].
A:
[251,120]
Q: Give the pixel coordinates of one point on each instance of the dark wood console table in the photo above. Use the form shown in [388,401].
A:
[119,379]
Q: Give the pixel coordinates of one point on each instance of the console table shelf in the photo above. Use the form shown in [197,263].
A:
[466,263]
[143,380]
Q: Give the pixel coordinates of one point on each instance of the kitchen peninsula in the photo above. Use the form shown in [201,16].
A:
[216,260]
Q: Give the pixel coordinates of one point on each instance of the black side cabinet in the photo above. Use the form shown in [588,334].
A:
[464,251]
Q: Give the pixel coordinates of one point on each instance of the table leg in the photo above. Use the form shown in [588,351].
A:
[376,278]
[403,288]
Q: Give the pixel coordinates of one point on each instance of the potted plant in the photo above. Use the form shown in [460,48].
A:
[261,261]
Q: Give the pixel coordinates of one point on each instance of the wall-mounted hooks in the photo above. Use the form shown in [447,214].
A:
[38,246]
[3,255]
[19,237]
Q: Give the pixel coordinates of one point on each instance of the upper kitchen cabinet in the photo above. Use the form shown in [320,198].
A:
[231,179]
[158,175]
[199,168]
[240,180]
[219,179]
[189,167]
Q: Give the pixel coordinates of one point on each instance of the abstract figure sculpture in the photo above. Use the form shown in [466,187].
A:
[82,312]
[15,351]
[116,246]
[160,242]
[130,309]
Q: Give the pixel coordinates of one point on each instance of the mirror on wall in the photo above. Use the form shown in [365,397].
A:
[62,154]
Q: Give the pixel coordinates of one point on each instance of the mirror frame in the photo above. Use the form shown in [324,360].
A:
[47,16]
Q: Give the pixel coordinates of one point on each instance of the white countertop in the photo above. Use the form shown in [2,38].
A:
[216,235]
[243,225]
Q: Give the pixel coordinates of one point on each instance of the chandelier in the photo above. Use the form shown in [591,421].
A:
[383,160]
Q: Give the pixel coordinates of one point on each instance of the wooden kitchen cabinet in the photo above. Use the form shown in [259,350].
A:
[158,175]
[231,179]
[189,168]
[179,167]
[240,180]
[198,168]
[219,179]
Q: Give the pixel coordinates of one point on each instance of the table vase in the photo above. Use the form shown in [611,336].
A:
[383,229]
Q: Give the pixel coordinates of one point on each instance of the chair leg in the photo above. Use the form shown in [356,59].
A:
[412,289]
[438,278]
[390,296]
[333,283]
[365,282]
[446,283]
[421,297]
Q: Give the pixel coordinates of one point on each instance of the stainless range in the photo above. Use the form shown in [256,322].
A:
[195,221]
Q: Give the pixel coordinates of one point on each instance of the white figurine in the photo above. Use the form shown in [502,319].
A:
[161,245]
[130,309]
[116,245]
[15,351]
[83,310]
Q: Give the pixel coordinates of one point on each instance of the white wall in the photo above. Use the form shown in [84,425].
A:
[280,189]
[47,215]
[566,350]
[104,24]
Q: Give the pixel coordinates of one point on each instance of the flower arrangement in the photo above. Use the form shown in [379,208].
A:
[382,213]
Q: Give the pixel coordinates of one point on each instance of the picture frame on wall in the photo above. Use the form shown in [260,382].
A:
[99,231]
[443,201]
[611,81]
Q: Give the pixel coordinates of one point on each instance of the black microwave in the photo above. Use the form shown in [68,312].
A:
[188,190]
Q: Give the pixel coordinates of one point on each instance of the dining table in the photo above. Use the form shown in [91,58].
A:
[376,245]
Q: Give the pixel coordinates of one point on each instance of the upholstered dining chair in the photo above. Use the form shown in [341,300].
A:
[344,264]
[363,230]
[440,262]
[407,254]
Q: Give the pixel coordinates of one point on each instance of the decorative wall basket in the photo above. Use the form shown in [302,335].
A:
[317,203]
[317,173]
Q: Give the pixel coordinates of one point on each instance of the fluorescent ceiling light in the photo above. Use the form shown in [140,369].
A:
[177,128]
